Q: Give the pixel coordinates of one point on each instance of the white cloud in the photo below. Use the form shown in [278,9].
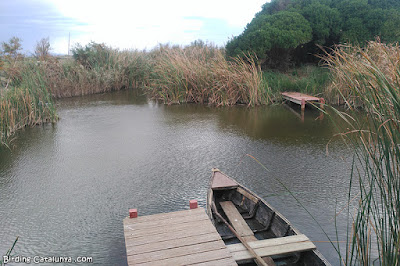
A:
[141,24]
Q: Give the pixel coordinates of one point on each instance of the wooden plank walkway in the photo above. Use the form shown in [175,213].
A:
[301,98]
[179,238]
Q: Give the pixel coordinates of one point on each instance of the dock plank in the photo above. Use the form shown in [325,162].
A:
[148,230]
[161,216]
[190,259]
[177,251]
[171,243]
[180,238]
[172,233]
[157,221]
[297,97]
[226,262]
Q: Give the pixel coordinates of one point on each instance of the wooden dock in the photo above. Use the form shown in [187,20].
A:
[301,98]
[179,238]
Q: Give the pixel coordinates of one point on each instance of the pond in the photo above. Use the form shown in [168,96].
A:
[65,188]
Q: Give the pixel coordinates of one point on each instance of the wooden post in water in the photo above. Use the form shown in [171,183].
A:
[193,204]
[303,107]
[303,104]
[133,213]
[322,106]
[321,103]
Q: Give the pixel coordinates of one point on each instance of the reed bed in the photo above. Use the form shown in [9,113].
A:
[26,104]
[370,77]
[101,71]
[353,63]
[202,74]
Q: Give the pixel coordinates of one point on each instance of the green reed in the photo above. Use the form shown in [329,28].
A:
[26,102]
[370,77]
[8,253]
[307,79]
[201,74]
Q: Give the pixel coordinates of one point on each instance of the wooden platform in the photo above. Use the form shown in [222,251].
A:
[298,97]
[179,238]
[302,99]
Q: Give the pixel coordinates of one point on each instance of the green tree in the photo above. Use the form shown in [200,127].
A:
[12,48]
[269,36]
[324,21]
[391,28]
[10,56]
[282,27]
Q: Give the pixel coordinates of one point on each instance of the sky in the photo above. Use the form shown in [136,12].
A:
[123,24]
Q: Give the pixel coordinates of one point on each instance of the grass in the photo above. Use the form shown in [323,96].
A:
[202,74]
[26,104]
[370,77]
[308,79]
[8,254]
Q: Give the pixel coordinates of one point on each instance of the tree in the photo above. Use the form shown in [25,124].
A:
[282,27]
[271,36]
[42,49]
[324,21]
[12,48]
[390,28]
[11,55]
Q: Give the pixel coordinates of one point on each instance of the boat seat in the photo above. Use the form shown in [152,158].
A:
[271,247]
[237,221]
[241,227]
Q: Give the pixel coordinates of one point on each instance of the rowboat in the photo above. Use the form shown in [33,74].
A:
[252,230]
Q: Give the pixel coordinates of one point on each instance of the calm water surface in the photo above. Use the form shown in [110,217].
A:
[65,188]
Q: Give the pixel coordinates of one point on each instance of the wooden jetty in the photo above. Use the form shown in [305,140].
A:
[301,98]
[178,238]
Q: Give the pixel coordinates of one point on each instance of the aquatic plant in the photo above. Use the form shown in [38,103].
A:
[308,79]
[201,74]
[8,253]
[27,102]
[370,77]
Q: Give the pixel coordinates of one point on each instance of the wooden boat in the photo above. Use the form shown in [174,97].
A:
[253,230]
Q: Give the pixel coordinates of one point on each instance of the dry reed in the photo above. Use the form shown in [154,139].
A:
[370,77]
[201,74]
[348,63]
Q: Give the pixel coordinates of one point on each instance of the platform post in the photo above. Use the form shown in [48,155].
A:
[193,204]
[133,213]
[303,104]
[322,103]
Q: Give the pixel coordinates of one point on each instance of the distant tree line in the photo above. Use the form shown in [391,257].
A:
[286,32]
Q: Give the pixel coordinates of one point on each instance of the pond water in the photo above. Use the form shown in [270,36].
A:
[65,188]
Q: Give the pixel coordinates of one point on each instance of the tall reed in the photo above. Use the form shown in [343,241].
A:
[370,77]
[26,103]
[201,74]
[103,69]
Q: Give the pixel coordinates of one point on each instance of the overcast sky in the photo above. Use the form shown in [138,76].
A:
[124,24]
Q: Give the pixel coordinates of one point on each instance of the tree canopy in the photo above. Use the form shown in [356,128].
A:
[288,31]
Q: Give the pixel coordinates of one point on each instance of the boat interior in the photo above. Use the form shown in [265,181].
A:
[258,224]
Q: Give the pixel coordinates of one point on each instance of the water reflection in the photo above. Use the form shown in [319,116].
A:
[65,188]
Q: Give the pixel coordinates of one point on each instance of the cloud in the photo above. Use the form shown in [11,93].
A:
[125,23]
